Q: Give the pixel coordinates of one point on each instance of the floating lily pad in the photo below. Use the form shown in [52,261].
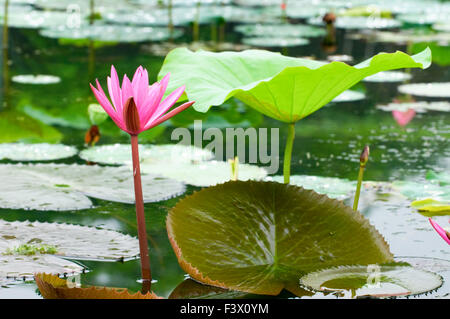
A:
[265,42]
[442,177]
[261,237]
[67,187]
[120,154]
[405,36]
[70,241]
[360,23]
[191,289]
[415,191]
[419,107]
[442,27]
[423,18]
[284,88]
[35,152]
[110,33]
[53,287]
[389,76]
[36,79]
[332,187]
[431,207]
[349,96]
[275,30]
[23,267]
[435,89]
[203,174]
[362,281]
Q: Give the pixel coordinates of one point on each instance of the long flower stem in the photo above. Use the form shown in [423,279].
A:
[358,187]
[140,217]
[288,153]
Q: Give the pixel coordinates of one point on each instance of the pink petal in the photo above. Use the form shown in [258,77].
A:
[440,230]
[403,118]
[149,105]
[127,90]
[163,87]
[104,102]
[168,103]
[140,88]
[114,89]
[168,115]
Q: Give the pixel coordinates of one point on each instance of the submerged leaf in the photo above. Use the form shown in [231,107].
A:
[284,88]
[261,237]
[70,241]
[53,287]
[376,281]
[67,187]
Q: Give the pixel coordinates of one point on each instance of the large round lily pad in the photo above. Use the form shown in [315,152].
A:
[36,79]
[70,241]
[267,42]
[389,76]
[120,154]
[419,107]
[35,152]
[360,22]
[261,237]
[67,187]
[376,281]
[275,30]
[203,174]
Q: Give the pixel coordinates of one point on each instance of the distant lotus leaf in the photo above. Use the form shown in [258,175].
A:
[418,107]
[203,174]
[36,79]
[120,154]
[268,42]
[349,96]
[66,187]
[275,30]
[97,114]
[53,287]
[284,88]
[442,177]
[348,22]
[434,89]
[70,241]
[261,237]
[375,281]
[16,267]
[416,191]
[389,76]
[332,187]
[35,152]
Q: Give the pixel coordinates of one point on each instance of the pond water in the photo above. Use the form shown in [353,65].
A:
[328,143]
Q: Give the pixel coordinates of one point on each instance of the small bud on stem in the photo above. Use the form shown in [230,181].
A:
[363,159]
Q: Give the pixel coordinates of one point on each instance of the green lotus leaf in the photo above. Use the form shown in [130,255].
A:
[284,88]
[431,207]
[373,280]
[261,237]
[443,177]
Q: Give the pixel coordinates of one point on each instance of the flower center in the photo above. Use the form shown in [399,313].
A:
[131,116]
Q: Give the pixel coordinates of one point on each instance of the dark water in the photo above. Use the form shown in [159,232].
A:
[327,143]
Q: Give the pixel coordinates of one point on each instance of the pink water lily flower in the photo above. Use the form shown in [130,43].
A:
[441,231]
[136,106]
[403,118]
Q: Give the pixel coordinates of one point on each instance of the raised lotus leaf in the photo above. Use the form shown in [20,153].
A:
[67,187]
[261,237]
[373,280]
[285,88]
[69,241]
[53,287]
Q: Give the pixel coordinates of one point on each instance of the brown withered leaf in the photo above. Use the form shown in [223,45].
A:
[53,287]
